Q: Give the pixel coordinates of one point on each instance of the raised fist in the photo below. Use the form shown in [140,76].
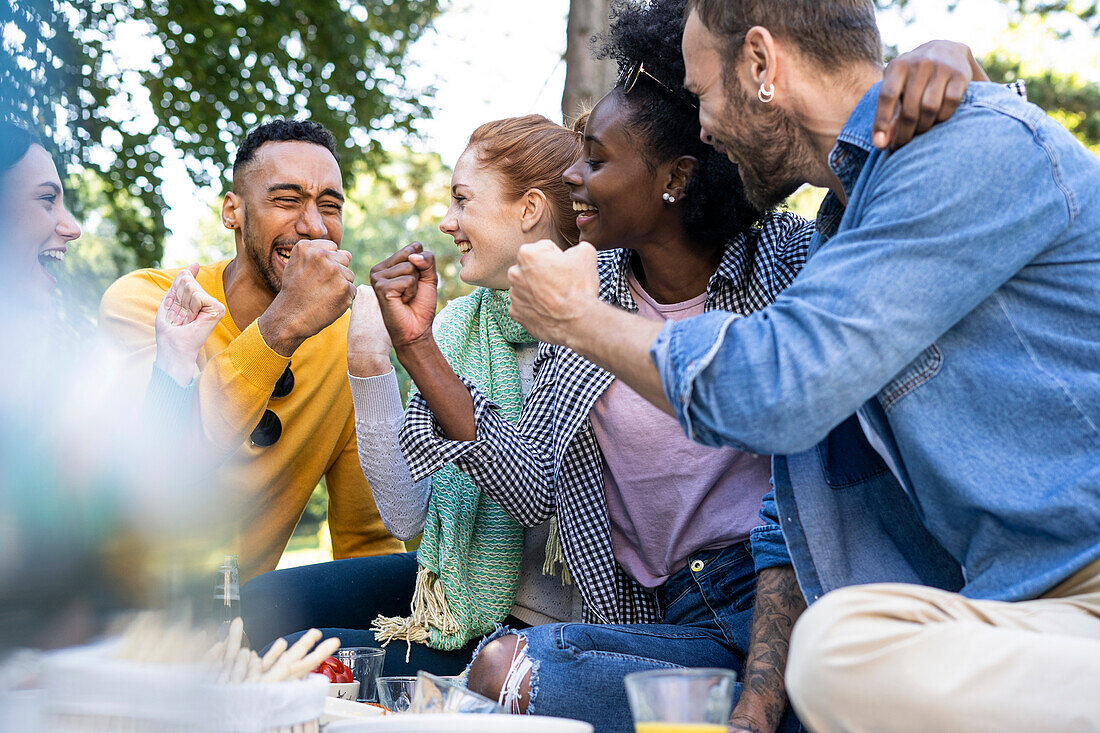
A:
[368,341]
[185,318]
[405,284]
[317,289]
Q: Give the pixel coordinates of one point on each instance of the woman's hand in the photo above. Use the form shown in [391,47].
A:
[921,88]
[368,340]
[185,318]
[405,284]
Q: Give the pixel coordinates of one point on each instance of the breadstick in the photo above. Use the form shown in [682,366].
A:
[255,668]
[214,654]
[277,648]
[240,668]
[279,670]
[233,640]
[325,649]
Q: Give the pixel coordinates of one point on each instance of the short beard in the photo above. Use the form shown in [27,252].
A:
[260,256]
[773,161]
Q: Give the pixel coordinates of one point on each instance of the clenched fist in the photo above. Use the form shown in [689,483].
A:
[317,289]
[368,341]
[405,284]
[551,287]
[185,318]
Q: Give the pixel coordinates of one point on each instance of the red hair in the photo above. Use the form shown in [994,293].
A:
[533,152]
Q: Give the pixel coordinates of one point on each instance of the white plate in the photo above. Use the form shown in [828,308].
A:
[341,710]
[460,724]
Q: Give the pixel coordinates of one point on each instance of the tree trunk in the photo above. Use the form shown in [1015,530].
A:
[586,79]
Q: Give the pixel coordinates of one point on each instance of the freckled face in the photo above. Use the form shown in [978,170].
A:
[484,222]
[38,225]
[291,191]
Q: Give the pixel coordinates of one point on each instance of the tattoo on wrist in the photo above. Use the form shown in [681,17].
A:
[778,604]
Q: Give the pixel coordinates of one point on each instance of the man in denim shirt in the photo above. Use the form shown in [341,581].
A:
[931,379]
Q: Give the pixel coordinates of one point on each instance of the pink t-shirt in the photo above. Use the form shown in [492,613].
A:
[667,497]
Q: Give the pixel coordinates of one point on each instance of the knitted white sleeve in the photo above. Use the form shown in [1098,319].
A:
[402,504]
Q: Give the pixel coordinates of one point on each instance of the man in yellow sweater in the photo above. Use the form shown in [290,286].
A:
[272,404]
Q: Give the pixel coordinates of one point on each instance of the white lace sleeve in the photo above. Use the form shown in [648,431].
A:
[402,503]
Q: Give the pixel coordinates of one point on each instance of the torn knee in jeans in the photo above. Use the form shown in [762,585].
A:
[502,671]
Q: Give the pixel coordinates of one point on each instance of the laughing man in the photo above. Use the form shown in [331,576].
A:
[272,401]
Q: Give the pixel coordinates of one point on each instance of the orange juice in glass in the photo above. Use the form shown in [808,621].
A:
[679,728]
[680,700]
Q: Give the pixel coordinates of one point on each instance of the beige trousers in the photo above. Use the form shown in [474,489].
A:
[896,657]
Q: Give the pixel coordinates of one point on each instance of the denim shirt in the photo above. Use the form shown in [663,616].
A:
[955,304]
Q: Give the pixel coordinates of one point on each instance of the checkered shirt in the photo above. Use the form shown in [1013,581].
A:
[550,461]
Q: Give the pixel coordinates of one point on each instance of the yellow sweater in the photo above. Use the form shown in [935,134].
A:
[238,372]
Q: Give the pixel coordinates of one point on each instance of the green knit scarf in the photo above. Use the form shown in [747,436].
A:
[471,549]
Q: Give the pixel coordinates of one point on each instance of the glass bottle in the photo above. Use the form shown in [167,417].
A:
[227,591]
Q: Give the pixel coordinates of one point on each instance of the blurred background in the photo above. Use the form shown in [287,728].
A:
[142,102]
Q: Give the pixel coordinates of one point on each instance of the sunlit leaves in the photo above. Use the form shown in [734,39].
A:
[195,77]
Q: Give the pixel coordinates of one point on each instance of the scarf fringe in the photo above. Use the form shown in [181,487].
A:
[430,610]
[554,554]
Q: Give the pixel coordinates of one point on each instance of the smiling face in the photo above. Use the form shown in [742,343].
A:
[290,191]
[38,225]
[616,195]
[484,222]
[762,139]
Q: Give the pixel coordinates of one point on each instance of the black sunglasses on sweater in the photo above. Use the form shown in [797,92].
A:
[270,427]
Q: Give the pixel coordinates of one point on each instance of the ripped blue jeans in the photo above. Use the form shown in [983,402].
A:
[578,669]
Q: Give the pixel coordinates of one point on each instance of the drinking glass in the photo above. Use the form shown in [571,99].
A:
[432,694]
[681,700]
[365,663]
[395,693]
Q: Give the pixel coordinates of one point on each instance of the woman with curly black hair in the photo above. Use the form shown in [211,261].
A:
[655,529]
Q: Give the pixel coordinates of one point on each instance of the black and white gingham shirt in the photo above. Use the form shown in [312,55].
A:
[550,462]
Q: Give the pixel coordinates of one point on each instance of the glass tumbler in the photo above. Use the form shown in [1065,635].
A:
[365,663]
[433,694]
[681,700]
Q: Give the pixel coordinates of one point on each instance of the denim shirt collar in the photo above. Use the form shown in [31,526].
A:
[847,158]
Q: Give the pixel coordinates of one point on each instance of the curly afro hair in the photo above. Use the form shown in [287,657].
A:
[666,118]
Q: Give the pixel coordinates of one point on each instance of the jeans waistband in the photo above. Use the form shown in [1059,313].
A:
[700,565]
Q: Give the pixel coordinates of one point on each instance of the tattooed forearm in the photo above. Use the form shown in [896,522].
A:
[778,605]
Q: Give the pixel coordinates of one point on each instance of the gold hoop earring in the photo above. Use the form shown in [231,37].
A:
[766,93]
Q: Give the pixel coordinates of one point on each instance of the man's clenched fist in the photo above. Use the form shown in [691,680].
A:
[317,289]
[551,288]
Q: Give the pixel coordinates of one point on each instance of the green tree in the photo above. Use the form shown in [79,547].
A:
[402,202]
[1087,11]
[215,68]
[1071,100]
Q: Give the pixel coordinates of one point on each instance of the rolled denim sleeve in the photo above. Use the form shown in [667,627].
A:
[931,232]
[769,550]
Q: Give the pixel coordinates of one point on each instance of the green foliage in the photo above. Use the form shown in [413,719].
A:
[95,260]
[1068,98]
[1087,11]
[215,68]
[402,202]
[1074,102]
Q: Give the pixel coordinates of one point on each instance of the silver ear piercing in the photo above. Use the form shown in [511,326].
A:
[668,197]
